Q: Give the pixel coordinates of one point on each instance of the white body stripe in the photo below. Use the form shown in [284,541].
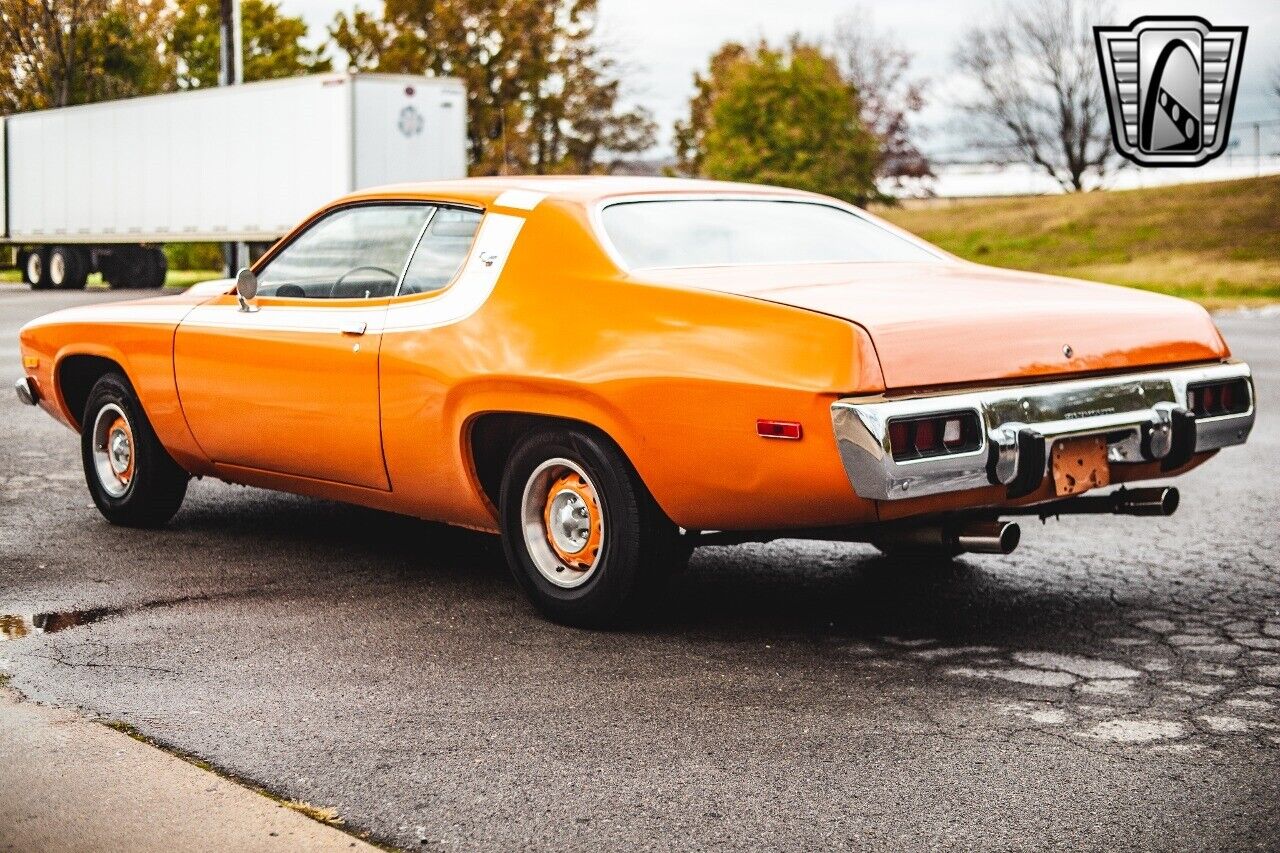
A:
[480,274]
[493,244]
[157,313]
[488,257]
[519,199]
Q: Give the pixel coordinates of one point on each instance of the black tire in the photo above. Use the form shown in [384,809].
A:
[35,269]
[135,268]
[639,547]
[156,267]
[156,485]
[68,268]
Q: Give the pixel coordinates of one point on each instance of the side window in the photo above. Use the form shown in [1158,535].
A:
[354,253]
[441,251]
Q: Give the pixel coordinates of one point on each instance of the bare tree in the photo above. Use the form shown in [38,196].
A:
[1040,91]
[877,64]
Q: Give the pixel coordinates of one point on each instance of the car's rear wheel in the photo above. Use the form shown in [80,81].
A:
[133,480]
[582,534]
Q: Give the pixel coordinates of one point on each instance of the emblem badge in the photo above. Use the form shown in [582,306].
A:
[1171,85]
[411,122]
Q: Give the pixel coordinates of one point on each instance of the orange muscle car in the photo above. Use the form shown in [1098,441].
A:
[609,371]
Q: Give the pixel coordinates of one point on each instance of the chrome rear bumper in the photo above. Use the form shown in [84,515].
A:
[1144,416]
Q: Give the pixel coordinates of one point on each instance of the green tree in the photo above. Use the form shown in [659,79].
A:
[541,97]
[785,117]
[123,51]
[63,52]
[273,43]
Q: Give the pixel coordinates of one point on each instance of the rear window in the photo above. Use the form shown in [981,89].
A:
[729,232]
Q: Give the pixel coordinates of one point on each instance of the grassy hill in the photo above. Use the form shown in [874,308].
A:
[1217,243]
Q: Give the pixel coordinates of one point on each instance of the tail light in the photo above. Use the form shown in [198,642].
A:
[1218,398]
[934,435]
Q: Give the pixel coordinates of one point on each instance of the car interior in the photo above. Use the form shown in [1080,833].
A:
[361,253]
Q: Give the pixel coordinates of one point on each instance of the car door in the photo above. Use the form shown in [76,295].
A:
[292,387]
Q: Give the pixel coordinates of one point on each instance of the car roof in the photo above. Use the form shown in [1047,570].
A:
[579,189]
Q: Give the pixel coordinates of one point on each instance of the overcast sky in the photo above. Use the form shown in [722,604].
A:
[665,41]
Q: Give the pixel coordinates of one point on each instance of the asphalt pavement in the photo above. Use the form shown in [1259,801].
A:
[1113,684]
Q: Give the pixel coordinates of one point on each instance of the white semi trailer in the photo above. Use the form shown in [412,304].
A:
[100,187]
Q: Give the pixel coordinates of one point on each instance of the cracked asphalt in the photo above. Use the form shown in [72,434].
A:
[1114,683]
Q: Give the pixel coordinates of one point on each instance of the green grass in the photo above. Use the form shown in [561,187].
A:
[1216,243]
[177,279]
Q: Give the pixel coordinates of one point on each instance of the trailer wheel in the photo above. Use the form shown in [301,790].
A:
[36,270]
[68,268]
[157,267]
[128,268]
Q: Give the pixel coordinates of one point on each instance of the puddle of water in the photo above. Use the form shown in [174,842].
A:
[15,626]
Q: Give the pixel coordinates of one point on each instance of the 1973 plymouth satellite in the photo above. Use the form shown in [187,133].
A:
[610,370]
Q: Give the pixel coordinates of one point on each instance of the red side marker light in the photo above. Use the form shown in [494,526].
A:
[779,429]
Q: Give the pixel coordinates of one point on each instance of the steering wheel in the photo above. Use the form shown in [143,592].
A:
[333,291]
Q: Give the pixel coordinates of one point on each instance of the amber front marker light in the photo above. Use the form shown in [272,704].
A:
[779,429]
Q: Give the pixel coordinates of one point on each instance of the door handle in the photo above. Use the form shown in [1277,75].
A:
[354,329]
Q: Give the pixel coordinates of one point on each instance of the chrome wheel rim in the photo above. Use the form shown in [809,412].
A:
[562,519]
[35,267]
[113,450]
[57,268]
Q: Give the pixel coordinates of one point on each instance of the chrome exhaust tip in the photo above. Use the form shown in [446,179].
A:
[989,537]
[974,537]
[1157,500]
[26,390]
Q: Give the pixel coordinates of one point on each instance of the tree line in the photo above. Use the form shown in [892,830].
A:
[833,115]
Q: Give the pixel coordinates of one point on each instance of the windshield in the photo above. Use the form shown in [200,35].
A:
[729,232]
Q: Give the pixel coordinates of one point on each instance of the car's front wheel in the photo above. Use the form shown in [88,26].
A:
[133,480]
[582,534]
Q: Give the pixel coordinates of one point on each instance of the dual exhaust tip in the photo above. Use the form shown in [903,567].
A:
[1002,537]
[974,537]
[989,537]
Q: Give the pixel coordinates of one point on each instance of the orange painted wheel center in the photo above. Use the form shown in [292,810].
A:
[120,449]
[573,522]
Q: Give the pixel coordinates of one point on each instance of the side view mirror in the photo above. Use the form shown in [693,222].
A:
[246,289]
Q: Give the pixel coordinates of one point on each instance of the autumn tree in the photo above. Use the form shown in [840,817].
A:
[273,43]
[1039,93]
[889,95]
[541,96]
[785,117]
[63,52]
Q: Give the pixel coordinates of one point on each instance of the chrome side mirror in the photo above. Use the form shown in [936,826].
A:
[246,290]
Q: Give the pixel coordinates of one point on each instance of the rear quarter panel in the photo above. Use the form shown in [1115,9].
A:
[677,377]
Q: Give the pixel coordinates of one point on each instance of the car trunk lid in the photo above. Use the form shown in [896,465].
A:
[956,322]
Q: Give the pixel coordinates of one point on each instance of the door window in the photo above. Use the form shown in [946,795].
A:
[353,253]
[441,251]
